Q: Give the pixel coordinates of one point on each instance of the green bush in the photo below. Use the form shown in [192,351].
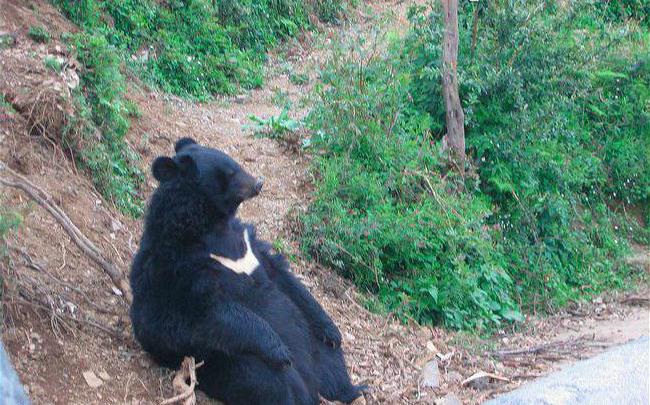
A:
[381,213]
[53,64]
[9,220]
[39,34]
[620,10]
[332,11]
[193,48]
[102,112]
[556,105]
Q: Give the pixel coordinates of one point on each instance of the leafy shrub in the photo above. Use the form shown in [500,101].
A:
[102,113]
[332,11]
[52,63]
[299,79]
[620,10]
[9,220]
[382,215]
[556,106]
[192,47]
[275,127]
[39,34]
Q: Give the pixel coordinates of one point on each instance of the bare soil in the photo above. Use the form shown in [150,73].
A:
[61,316]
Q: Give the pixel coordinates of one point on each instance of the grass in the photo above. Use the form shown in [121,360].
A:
[557,145]
[39,34]
[103,111]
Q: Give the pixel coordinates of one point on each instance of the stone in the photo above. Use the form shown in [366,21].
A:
[91,379]
[430,376]
[454,377]
[449,399]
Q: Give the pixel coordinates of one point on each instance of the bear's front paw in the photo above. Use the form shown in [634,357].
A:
[279,357]
[329,334]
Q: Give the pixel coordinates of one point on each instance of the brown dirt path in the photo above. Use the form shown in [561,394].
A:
[53,296]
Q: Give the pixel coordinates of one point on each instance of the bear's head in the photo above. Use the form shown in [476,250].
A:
[198,186]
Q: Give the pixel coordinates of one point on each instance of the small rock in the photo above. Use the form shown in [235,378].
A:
[240,98]
[104,375]
[115,225]
[431,347]
[91,379]
[479,383]
[430,376]
[71,79]
[454,377]
[449,399]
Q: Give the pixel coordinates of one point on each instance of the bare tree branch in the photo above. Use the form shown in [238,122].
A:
[44,200]
[454,112]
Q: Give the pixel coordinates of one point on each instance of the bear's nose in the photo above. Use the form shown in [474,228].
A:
[258,186]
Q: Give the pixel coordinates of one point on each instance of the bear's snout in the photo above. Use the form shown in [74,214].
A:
[258,186]
[248,186]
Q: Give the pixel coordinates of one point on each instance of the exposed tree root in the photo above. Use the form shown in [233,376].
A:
[44,200]
[185,391]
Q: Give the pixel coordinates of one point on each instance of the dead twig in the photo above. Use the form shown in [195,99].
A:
[29,262]
[26,299]
[186,392]
[44,200]
[548,349]
[638,301]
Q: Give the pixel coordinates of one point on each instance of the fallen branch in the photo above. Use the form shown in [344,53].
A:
[25,299]
[638,301]
[482,375]
[186,393]
[45,201]
[561,347]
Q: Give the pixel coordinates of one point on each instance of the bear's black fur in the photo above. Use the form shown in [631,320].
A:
[262,335]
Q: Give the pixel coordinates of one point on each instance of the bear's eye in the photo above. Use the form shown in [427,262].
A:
[224,176]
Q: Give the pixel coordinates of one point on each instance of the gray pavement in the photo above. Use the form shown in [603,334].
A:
[621,375]
[11,392]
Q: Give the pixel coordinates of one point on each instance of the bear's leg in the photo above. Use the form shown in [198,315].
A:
[335,384]
[247,380]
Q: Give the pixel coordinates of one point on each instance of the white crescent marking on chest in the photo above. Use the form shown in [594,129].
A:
[243,265]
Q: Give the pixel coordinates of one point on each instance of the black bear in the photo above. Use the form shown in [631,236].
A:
[205,286]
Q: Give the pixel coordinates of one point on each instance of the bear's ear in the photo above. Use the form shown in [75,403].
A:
[164,169]
[188,166]
[183,142]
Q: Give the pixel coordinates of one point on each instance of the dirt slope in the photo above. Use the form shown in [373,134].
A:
[61,315]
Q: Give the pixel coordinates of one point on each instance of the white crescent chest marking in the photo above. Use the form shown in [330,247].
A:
[243,265]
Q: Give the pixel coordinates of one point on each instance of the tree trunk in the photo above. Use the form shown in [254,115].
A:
[454,116]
